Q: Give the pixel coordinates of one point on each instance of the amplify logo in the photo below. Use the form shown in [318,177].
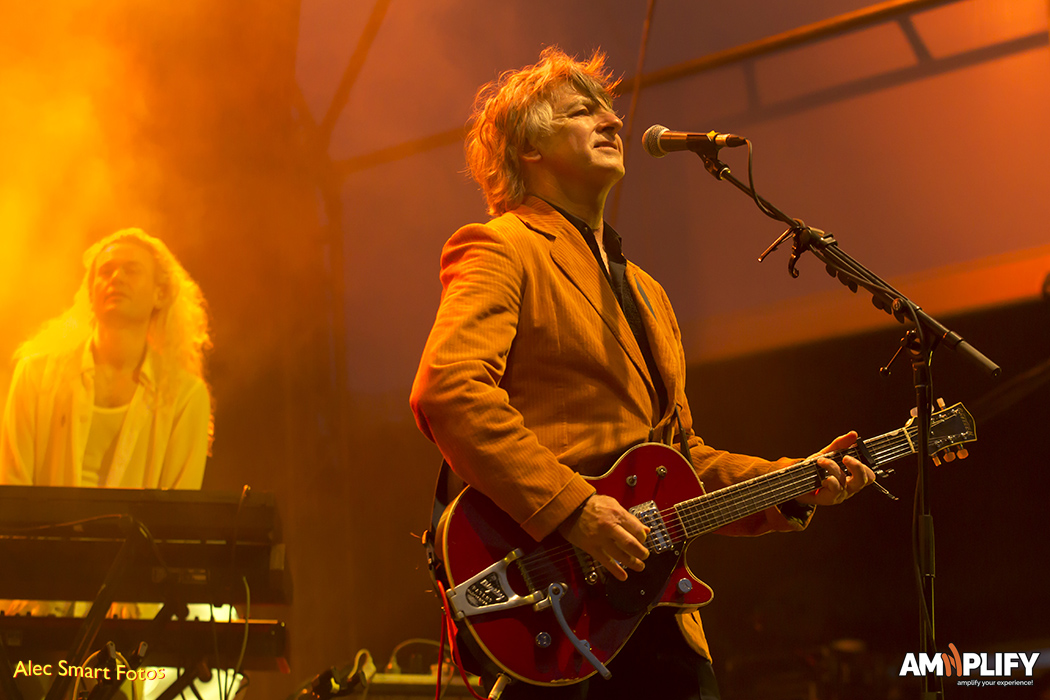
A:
[985,665]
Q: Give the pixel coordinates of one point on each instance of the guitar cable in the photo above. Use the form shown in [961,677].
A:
[117,657]
[441,653]
[448,632]
[226,678]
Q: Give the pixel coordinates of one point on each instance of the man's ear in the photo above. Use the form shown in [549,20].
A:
[160,297]
[529,153]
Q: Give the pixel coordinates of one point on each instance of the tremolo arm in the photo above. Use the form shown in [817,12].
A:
[490,591]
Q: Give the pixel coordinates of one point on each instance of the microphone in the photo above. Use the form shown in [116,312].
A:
[658,140]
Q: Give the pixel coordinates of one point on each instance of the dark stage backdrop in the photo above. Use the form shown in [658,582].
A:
[793,606]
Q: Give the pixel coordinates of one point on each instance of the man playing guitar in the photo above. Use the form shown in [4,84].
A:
[552,354]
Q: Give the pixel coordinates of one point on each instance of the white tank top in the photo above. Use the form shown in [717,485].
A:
[102,443]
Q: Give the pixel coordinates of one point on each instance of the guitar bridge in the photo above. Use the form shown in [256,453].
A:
[659,539]
[489,591]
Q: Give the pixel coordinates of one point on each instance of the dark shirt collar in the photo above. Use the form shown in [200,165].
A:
[611,240]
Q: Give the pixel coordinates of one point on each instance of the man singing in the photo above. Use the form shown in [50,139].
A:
[552,354]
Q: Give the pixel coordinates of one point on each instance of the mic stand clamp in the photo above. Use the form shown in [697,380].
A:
[803,238]
[783,237]
[708,153]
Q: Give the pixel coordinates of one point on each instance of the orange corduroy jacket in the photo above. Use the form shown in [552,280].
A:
[531,376]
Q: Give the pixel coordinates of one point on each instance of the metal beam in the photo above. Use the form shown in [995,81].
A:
[353,68]
[402,150]
[851,21]
[636,89]
[884,81]
[922,53]
[842,24]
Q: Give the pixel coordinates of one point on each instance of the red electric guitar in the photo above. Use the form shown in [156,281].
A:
[547,614]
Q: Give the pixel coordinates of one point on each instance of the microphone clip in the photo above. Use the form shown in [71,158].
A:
[802,236]
[709,156]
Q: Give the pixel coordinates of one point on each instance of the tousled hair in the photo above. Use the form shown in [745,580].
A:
[515,109]
[178,332]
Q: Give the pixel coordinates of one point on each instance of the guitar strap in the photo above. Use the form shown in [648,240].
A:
[683,441]
[441,498]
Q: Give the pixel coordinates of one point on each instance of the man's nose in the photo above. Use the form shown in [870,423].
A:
[611,120]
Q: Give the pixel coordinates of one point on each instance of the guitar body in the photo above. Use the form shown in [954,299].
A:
[528,644]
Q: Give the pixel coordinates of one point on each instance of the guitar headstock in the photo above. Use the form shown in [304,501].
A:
[950,429]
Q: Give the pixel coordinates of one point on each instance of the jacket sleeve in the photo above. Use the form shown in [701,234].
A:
[17,440]
[188,444]
[457,398]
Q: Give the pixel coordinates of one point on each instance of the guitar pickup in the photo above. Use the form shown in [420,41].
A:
[659,539]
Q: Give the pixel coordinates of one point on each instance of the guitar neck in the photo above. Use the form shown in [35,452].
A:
[713,510]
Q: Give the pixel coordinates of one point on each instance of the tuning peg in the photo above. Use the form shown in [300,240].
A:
[962,453]
[940,404]
[949,455]
[914,412]
[936,460]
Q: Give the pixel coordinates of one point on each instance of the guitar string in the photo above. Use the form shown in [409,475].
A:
[779,474]
[693,519]
[690,521]
[558,555]
[788,483]
[716,506]
[718,503]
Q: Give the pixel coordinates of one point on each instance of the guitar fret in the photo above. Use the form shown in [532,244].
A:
[908,437]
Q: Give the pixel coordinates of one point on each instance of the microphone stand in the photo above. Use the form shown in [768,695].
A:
[920,342]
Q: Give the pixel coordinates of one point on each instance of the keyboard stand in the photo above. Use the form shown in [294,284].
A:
[134,537]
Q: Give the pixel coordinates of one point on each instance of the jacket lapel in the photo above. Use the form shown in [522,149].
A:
[575,259]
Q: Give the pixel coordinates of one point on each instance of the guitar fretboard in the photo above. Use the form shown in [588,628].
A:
[713,510]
